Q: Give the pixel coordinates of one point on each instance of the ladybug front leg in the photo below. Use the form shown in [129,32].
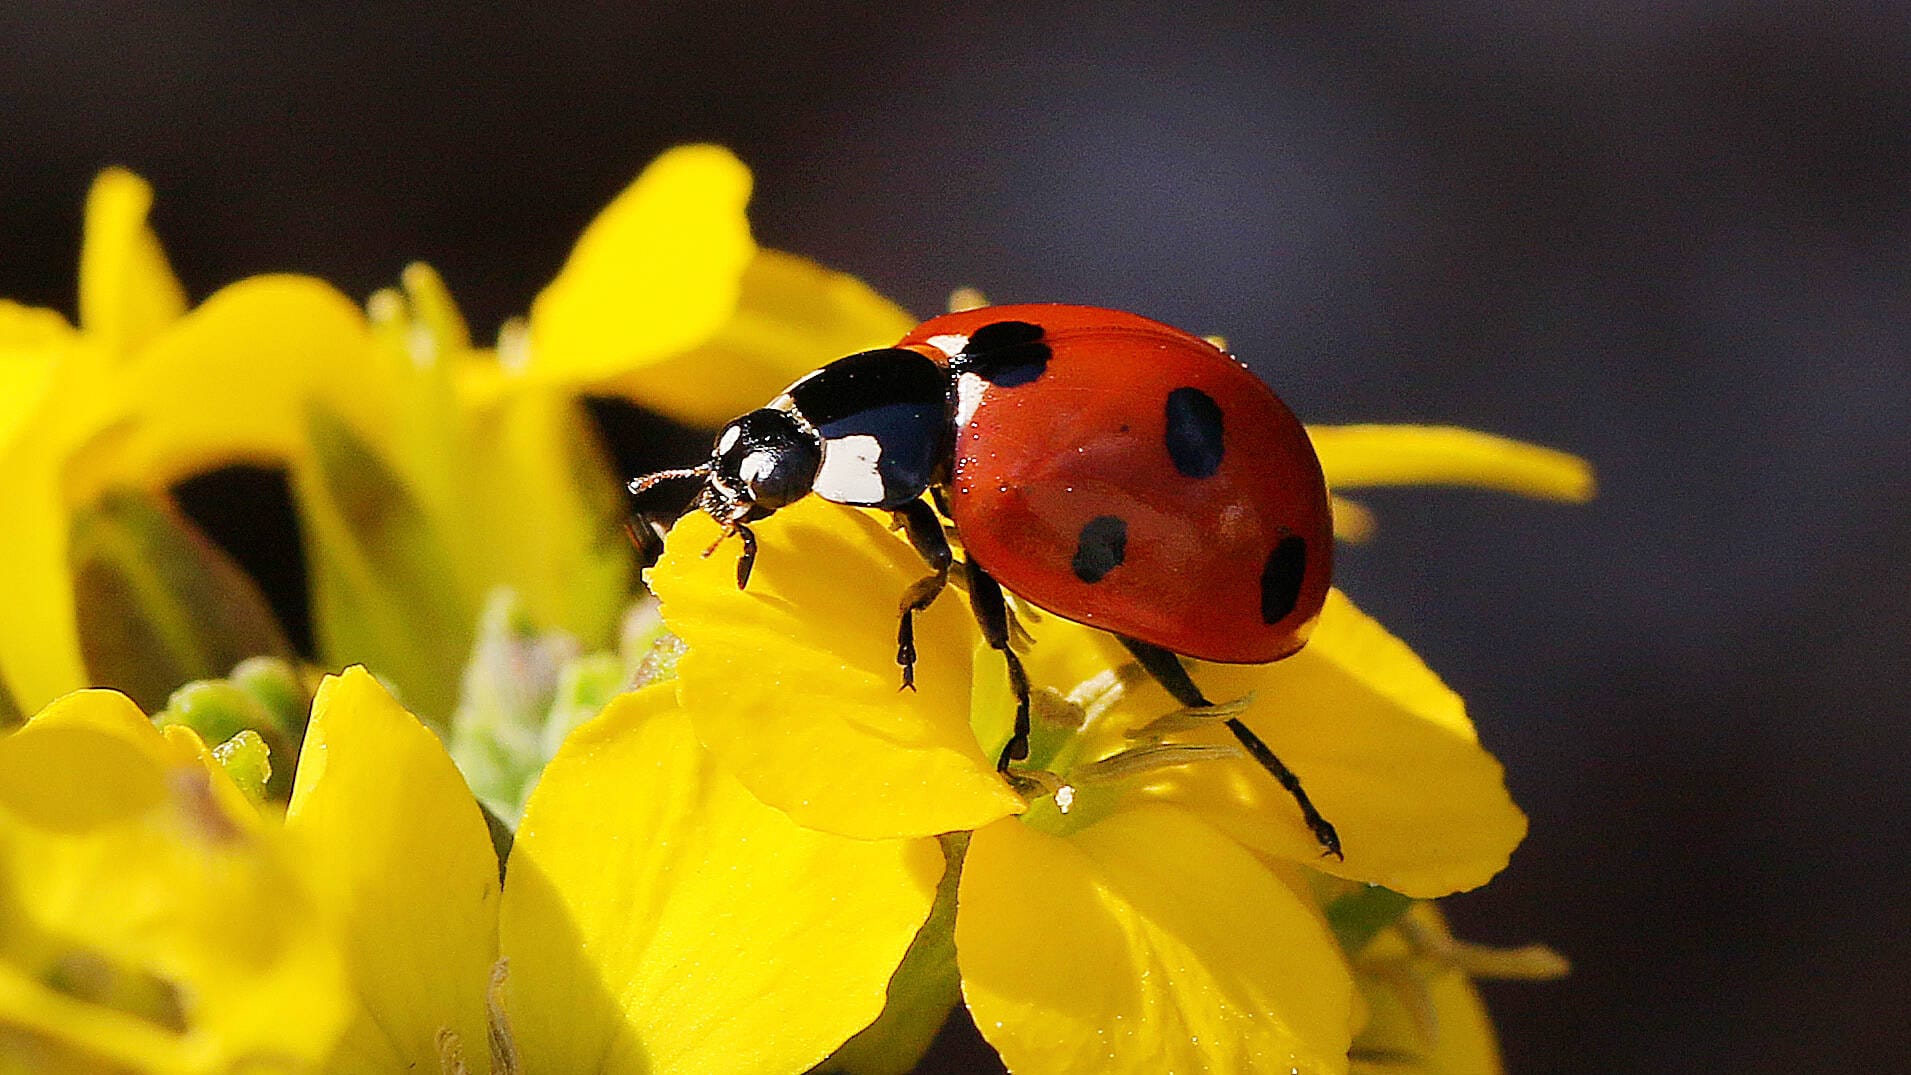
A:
[919,521]
[992,615]
[1167,670]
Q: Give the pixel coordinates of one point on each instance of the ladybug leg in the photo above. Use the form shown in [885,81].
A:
[919,521]
[992,615]
[748,559]
[1167,670]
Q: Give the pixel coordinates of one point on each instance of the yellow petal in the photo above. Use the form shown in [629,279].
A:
[1467,1044]
[40,357]
[147,917]
[436,309]
[1145,942]
[660,919]
[540,511]
[1353,521]
[1424,1018]
[1384,749]
[794,686]
[404,866]
[655,274]
[233,380]
[1360,455]
[128,292]
[791,317]
[1440,1027]
[383,591]
[33,342]
[39,637]
[228,383]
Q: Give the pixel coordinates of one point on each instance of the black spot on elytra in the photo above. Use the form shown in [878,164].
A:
[1006,354]
[1281,579]
[1194,432]
[1102,546]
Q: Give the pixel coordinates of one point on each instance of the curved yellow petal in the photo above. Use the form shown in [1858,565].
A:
[39,639]
[147,917]
[1441,1029]
[655,274]
[794,686]
[234,380]
[41,358]
[1358,455]
[791,316]
[1384,749]
[228,383]
[660,919]
[128,292]
[403,863]
[33,343]
[1145,942]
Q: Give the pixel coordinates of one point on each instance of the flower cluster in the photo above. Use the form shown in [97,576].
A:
[718,840]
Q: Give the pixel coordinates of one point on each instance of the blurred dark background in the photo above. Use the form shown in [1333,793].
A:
[1674,238]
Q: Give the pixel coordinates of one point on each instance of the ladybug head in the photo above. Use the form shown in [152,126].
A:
[762,461]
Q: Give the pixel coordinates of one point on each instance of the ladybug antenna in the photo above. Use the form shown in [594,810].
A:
[639,486]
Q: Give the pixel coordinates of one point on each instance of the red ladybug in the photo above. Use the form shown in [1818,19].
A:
[1108,468]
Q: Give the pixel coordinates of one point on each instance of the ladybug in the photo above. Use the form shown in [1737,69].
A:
[1108,468]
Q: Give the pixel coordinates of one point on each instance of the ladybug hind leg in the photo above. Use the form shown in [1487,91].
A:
[992,616]
[924,529]
[1166,669]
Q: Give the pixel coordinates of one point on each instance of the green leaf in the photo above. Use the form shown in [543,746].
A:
[158,604]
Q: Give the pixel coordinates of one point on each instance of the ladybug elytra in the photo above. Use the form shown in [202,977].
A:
[1108,468]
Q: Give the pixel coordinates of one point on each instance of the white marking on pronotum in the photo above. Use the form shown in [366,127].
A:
[848,474]
[950,344]
[969,389]
[729,440]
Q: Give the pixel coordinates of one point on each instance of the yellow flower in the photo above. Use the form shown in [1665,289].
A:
[418,490]
[1153,913]
[143,395]
[149,919]
[657,917]
[426,471]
